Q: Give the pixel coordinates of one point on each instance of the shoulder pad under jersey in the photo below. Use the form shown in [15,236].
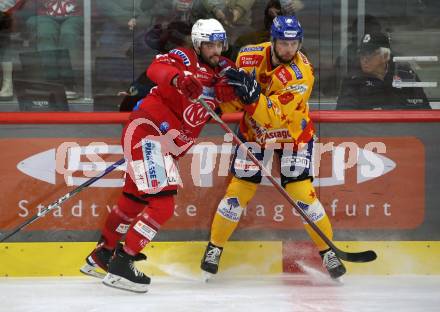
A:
[184,55]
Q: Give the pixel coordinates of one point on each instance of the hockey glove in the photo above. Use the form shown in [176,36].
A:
[189,85]
[245,85]
[223,91]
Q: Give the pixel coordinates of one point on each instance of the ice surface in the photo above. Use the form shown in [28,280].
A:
[302,293]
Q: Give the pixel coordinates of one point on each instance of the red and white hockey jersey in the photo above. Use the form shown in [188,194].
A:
[166,107]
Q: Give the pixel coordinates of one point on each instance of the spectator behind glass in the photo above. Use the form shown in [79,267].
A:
[272,9]
[119,20]
[371,25]
[172,28]
[166,11]
[170,20]
[164,38]
[152,40]
[181,10]
[160,40]
[291,7]
[371,86]
[235,15]
[58,24]
[331,80]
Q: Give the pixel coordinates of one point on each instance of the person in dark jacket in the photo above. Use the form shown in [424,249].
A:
[371,86]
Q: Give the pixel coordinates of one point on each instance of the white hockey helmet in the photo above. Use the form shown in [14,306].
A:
[208,30]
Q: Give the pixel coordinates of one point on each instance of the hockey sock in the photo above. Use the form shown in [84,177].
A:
[146,225]
[119,219]
[238,195]
[304,194]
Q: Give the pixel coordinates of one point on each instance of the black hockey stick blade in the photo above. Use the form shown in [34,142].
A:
[359,257]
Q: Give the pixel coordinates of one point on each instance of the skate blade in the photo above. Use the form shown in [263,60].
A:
[206,276]
[91,270]
[118,282]
[338,280]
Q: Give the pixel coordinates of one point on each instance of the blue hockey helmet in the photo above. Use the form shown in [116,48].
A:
[286,28]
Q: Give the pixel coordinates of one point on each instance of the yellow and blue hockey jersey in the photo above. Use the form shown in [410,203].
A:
[281,114]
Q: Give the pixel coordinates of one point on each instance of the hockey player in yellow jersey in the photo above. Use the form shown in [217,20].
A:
[274,83]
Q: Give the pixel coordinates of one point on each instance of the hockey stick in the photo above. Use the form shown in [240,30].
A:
[364,256]
[62,199]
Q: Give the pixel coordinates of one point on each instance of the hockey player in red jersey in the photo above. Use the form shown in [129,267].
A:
[163,126]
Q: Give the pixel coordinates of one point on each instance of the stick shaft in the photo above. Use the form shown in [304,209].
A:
[62,199]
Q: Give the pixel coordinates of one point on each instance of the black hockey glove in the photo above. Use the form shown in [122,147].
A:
[245,85]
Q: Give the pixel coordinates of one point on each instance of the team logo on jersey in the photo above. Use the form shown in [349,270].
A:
[203,76]
[163,58]
[250,60]
[264,78]
[286,97]
[283,75]
[297,71]
[222,63]
[259,132]
[195,114]
[182,55]
[251,49]
[278,134]
[301,89]
[304,58]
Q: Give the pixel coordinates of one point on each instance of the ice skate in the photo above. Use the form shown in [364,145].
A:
[210,261]
[123,274]
[333,265]
[97,262]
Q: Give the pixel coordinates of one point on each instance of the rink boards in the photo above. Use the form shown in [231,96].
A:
[393,211]
[239,258]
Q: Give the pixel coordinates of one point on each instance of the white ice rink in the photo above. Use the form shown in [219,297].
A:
[302,293]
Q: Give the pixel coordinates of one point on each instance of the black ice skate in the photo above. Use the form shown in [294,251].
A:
[97,259]
[211,260]
[123,274]
[332,263]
